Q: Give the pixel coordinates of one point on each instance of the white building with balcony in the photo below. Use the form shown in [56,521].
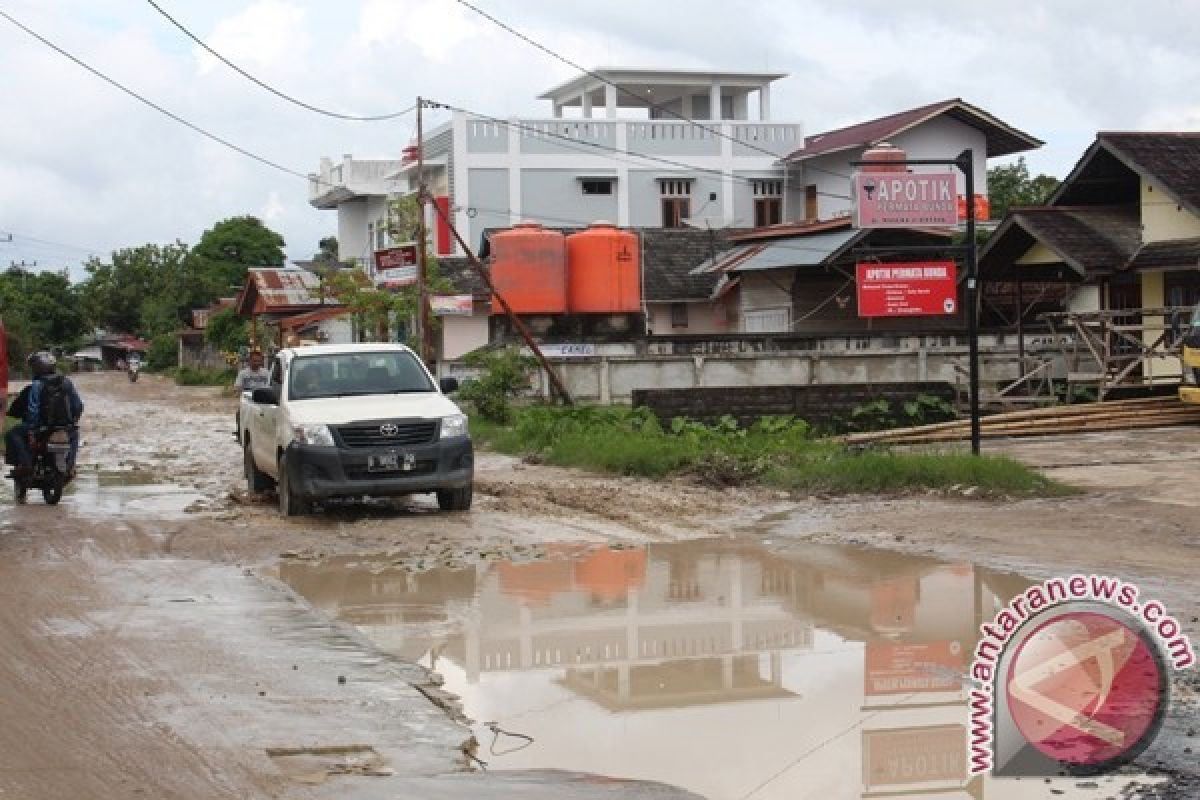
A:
[641,148]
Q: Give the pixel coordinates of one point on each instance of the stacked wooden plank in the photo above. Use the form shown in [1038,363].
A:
[1112,415]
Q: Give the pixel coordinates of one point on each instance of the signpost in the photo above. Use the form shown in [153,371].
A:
[908,289]
[396,277]
[905,199]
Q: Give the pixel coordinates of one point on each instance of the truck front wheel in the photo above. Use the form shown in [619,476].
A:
[291,504]
[455,499]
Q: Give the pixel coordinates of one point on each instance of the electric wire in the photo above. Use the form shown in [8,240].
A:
[170,114]
[592,74]
[272,89]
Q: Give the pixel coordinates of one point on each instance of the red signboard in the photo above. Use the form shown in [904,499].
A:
[915,289]
[404,255]
[905,199]
[983,208]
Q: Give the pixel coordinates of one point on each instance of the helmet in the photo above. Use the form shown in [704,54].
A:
[42,363]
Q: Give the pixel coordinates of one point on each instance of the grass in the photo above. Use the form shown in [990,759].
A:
[779,452]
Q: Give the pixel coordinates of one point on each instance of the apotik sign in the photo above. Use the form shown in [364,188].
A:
[914,289]
[905,199]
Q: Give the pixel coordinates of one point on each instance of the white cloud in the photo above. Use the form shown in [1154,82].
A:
[267,34]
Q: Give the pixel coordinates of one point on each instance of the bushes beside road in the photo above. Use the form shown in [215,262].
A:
[775,451]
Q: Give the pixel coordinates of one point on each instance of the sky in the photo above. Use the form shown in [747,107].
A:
[86,169]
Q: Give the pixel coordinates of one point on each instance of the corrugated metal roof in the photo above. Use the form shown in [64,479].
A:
[797,251]
[286,288]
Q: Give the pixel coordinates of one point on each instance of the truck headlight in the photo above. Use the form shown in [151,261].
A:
[454,425]
[316,435]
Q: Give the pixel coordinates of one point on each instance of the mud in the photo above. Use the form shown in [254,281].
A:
[726,642]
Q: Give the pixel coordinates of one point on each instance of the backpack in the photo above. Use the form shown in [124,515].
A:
[56,403]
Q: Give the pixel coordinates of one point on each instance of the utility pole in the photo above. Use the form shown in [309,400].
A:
[423,337]
[966,162]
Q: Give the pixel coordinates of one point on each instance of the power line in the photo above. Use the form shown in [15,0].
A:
[14,236]
[272,89]
[152,104]
[663,109]
[579,143]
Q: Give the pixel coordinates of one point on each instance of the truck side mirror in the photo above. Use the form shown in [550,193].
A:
[448,385]
[266,397]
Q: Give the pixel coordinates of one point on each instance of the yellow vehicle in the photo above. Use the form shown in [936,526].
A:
[1189,391]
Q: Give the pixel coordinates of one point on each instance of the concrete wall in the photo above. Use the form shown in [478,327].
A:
[489,196]
[461,335]
[352,230]
[1163,218]
[767,291]
[557,196]
[612,380]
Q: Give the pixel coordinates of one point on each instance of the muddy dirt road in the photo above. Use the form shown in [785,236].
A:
[166,635]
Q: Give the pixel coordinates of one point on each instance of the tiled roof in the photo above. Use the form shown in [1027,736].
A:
[1172,253]
[1170,159]
[1086,238]
[460,274]
[1002,139]
[670,254]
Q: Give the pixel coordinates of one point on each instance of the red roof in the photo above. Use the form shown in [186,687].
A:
[1002,139]
[791,229]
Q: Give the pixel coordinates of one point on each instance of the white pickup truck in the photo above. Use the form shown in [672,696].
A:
[355,420]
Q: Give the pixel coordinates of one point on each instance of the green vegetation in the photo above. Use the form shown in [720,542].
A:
[196,376]
[505,375]
[775,451]
[1011,185]
[882,414]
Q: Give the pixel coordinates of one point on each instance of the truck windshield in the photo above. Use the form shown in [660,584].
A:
[350,374]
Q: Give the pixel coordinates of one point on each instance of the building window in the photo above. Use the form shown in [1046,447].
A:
[679,315]
[597,186]
[768,202]
[380,235]
[676,202]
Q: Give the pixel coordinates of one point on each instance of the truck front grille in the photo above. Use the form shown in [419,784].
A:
[387,434]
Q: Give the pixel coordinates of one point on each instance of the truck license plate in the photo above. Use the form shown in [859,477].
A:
[391,462]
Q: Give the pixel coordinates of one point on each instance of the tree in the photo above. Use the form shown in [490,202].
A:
[227,331]
[228,248]
[148,289]
[41,309]
[1010,185]
[376,309]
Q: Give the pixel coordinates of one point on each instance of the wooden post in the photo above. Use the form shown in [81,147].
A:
[1020,329]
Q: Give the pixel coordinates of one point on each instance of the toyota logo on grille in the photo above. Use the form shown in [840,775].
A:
[389,429]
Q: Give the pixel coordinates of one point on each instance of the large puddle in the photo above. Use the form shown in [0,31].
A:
[117,493]
[712,665]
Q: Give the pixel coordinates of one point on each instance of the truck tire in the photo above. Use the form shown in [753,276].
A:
[291,504]
[256,480]
[455,499]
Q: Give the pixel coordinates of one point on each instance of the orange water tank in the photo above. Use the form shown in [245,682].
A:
[603,271]
[529,267]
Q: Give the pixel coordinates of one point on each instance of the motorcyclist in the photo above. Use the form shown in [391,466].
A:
[19,441]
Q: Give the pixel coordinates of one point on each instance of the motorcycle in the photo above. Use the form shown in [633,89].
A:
[132,371]
[50,472]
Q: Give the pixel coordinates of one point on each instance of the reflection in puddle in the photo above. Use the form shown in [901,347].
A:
[124,493]
[715,666]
